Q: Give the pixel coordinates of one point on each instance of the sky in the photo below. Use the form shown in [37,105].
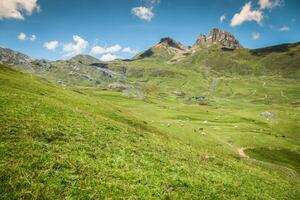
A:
[109,29]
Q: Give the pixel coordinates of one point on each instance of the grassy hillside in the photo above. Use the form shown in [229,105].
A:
[89,143]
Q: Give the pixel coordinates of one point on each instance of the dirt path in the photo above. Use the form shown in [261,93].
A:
[242,152]
[287,170]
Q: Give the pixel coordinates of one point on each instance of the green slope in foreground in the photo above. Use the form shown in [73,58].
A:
[61,143]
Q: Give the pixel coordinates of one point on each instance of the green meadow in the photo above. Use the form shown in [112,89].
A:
[152,141]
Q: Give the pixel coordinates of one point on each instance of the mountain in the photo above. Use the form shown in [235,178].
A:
[169,49]
[78,70]
[10,57]
[16,59]
[217,36]
[220,51]
[84,59]
[165,49]
[213,121]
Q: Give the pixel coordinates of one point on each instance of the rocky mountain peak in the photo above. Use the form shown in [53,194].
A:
[169,42]
[217,36]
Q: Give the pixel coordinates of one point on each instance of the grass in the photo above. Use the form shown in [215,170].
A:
[281,157]
[87,143]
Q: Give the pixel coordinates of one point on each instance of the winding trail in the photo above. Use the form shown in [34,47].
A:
[288,170]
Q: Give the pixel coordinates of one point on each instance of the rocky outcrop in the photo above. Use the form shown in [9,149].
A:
[201,40]
[216,36]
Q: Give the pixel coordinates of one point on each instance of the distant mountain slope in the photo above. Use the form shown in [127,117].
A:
[82,70]
[276,60]
[10,57]
[220,52]
[165,49]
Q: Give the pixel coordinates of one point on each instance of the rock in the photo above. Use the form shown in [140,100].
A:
[179,93]
[201,40]
[267,114]
[199,97]
[117,86]
[216,36]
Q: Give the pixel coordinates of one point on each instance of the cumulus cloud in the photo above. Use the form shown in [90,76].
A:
[51,45]
[255,36]
[98,50]
[247,14]
[284,28]
[113,49]
[222,18]
[22,36]
[32,37]
[269,4]
[72,49]
[16,9]
[129,50]
[108,57]
[143,13]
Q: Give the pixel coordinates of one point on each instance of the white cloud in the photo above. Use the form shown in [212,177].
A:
[129,50]
[143,13]
[52,45]
[72,49]
[98,50]
[222,18]
[247,14]
[17,8]
[108,57]
[269,4]
[151,3]
[255,36]
[22,36]
[113,49]
[284,28]
[32,37]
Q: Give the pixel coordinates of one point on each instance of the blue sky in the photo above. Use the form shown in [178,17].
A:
[106,29]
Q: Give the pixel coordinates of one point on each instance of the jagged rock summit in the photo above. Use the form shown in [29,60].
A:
[217,36]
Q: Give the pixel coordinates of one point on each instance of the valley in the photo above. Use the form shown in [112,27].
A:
[211,121]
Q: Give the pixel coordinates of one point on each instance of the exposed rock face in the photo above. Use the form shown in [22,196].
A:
[10,57]
[216,36]
[201,40]
[169,42]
